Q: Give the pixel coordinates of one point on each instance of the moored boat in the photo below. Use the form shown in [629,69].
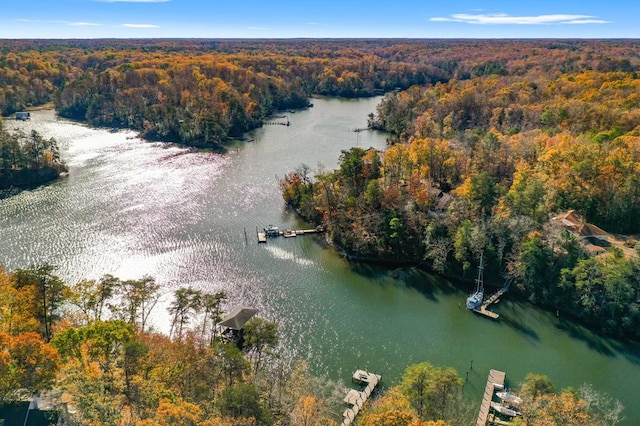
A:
[272,231]
[509,398]
[475,300]
[504,410]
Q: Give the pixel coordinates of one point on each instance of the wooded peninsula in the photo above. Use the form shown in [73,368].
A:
[526,152]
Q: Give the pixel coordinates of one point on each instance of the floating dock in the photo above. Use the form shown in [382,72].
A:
[356,399]
[494,381]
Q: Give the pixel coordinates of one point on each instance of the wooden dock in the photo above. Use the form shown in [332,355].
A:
[494,381]
[277,123]
[482,310]
[274,232]
[356,399]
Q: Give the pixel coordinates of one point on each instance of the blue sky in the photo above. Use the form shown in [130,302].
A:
[326,18]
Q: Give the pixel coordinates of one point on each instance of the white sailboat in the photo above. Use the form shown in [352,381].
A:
[475,300]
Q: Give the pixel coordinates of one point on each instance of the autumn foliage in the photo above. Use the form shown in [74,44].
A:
[480,162]
[489,139]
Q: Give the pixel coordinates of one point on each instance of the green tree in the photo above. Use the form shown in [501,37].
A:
[186,301]
[212,307]
[50,291]
[93,297]
[233,363]
[483,193]
[533,268]
[260,339]
[535,386]
[395,234]
[373,194]
[243,400]
[351,170]
[526,195]
[137,300]
[432,391]
[604,290]
[462,244]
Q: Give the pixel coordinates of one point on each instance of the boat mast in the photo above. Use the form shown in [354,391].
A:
[479,280]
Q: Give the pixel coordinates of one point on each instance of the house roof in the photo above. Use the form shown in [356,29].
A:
[570,219]
[589,229]
[238,317]
[441,199]
[576,224]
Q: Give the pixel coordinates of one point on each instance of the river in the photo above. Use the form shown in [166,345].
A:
[132,208]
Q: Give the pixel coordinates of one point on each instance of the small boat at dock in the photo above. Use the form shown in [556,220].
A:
[509,398]
[272,231]
[289,233]
[502,409]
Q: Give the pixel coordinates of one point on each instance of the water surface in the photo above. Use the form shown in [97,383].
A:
[132,208]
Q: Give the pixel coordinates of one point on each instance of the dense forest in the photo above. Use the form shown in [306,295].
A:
[201,92]
[482,163]
[27,160]
[191,92]
[91,350]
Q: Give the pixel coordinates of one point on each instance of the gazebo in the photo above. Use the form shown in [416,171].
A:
[238,317]
[233,323]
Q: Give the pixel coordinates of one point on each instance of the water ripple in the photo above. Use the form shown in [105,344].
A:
[188,218]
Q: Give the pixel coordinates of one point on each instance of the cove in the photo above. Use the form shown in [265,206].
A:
[132,208]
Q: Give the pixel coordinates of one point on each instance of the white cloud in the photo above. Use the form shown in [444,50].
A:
[84,24]
[587,21]
[140,26]
[28,20]
[503,18]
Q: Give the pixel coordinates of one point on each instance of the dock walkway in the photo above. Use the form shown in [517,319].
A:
[275,232]
[356,399]
[494,381]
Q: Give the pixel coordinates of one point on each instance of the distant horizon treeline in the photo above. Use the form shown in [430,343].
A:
[187,92]
[201,92]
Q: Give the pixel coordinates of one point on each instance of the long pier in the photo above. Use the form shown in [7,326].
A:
[482,310]
[275,232]
[494,381]
[356,399]
[277,123]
